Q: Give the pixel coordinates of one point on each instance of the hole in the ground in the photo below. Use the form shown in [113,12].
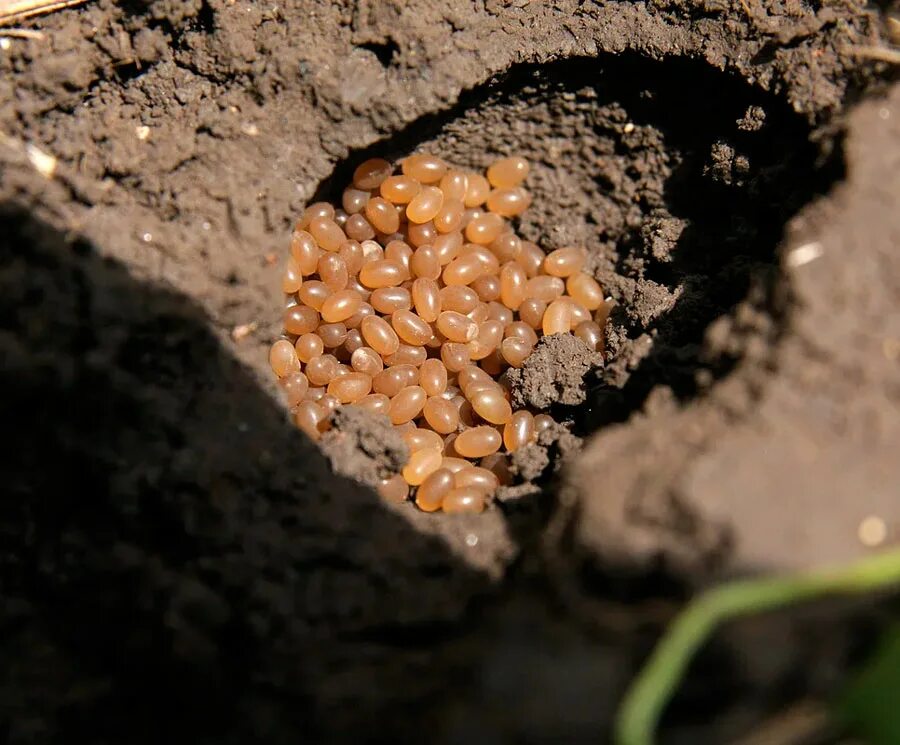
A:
[126,71]
[203,19]
[206,18]
[677,177]
[386,50]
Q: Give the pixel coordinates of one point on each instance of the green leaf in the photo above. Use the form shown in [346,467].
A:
[654,685]
[870,704]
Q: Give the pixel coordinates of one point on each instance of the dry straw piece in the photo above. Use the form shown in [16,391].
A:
[12,11]
[411,299]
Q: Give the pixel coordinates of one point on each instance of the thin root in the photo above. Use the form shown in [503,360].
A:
[893,25]
[22,33]
[880,54]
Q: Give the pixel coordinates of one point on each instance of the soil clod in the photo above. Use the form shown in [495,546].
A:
[364,446]
[554,373]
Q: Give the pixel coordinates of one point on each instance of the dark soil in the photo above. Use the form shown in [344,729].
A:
[177,563]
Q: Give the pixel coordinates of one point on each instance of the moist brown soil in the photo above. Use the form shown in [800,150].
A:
[179,564]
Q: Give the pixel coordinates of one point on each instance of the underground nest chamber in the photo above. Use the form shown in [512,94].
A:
[649,226]
[416,300]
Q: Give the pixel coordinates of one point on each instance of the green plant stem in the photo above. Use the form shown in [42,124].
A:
[651,690]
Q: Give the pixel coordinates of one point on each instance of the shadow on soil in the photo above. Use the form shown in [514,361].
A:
[177,562]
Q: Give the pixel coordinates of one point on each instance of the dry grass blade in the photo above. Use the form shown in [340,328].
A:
[12,11]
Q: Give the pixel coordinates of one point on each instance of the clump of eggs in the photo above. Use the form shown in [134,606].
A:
[411,300]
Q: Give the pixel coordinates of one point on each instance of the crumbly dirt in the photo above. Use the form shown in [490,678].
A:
[179,564]
[364,446]
[554,373]
[551,450]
